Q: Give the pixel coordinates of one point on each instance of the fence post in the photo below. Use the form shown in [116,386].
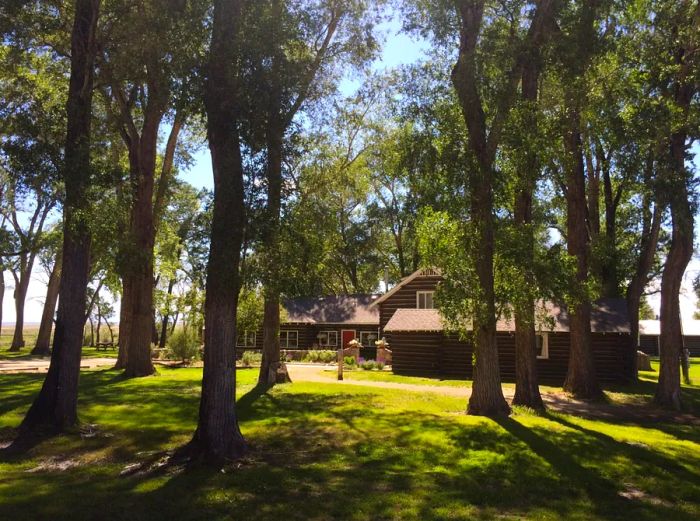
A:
[340,364]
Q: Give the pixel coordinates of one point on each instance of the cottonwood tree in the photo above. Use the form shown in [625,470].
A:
[577,42]
[299,47]
[149,54]
[218,437]
[674,47]
[51,259]
[507,30]
[55,408]
[33,118]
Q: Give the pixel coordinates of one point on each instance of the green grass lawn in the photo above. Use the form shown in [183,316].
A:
[321,451]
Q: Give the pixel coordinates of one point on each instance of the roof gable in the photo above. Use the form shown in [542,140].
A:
[337,309]
[424,272]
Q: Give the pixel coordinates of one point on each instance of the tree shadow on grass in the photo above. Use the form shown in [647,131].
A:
[605,494]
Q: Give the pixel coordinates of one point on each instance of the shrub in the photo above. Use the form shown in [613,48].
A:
[251,358]
[380,366]
[327,356]
[349,360]
[368,365]
[183,345]
[319,356]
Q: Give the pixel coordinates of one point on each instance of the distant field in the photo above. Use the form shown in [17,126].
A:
[30,333]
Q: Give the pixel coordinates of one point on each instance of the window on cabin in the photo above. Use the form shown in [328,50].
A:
[424,300]
[289,339]
[368,338]
[247,339]
[328,339]
[542,340]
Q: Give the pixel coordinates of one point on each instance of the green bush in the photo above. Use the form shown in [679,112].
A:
[182,345]
[349,361]
[368,365]
[380,366]
[322,356]
[251,358]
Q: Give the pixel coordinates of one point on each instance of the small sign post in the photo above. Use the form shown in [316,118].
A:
[340,364]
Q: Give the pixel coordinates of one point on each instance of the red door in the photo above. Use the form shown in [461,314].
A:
[347,336]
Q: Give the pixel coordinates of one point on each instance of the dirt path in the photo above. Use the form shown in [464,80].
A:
[41,365]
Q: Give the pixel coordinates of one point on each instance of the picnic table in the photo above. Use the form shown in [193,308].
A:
[103,346]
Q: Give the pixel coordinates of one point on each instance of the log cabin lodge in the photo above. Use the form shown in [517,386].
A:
[406,317]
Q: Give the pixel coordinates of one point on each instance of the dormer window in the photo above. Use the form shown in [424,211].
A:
[424,300]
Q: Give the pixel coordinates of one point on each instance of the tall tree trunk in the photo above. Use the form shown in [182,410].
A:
[218,437]
[272,369]
[124,324]
[97,329]
[92,331]
[55,408]
[609,270]
[142,233]
[164,323]
[527,391]
[651,226]
[677,178]
[581,379]
[43,339]
[22,284]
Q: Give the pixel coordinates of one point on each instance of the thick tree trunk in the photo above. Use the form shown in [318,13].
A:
[581,379]
[668,392]
[124,324]
[218,437]
[487,394]
[55,408]
[272,369]
[20,298]
[527,391]
[43,339]
[142,233]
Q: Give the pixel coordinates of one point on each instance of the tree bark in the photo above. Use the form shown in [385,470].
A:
[164,323]
[55,408]
[218,437]
[272,369]
[43,339]
[677,178]
[124,324]
[581,379]
[20,293]
[142,233]
[527,391]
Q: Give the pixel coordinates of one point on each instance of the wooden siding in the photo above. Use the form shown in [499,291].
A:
[308,334]
[449,357]
[405,297]
[649,344]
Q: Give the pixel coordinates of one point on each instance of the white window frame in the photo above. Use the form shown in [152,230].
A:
[285,344]
[425,293]
[246,337]
[376,337]
[329,344]
[545,345]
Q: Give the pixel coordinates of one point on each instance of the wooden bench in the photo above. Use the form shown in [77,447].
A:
[103,346]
